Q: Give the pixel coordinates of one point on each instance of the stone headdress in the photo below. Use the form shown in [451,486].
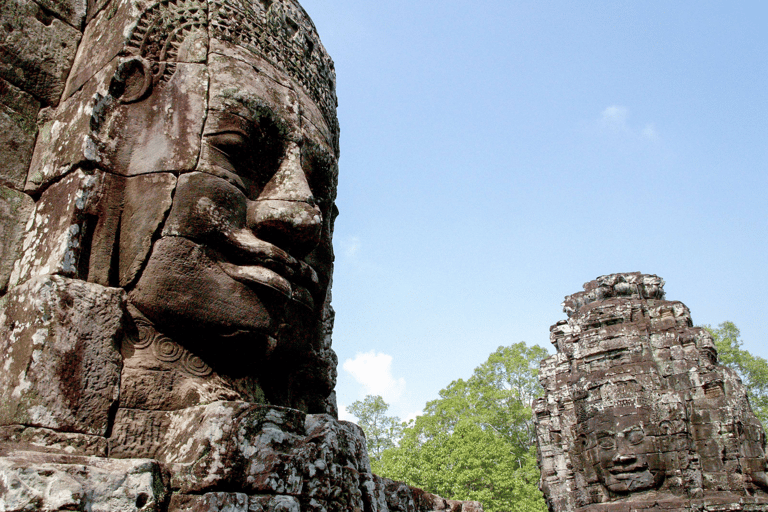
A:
[280,31]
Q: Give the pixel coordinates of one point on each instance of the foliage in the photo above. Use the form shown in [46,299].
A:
[381,431]
[753,370]
[475,442]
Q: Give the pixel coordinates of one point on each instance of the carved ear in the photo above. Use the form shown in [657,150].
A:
[132,81]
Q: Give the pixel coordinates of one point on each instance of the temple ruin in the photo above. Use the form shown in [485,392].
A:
[638,414]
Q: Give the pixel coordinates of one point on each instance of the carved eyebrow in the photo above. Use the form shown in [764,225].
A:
[221,121]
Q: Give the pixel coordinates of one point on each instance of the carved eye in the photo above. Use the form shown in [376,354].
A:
[251,151]
[606,443]
[228,140]
[228,149]
[635,436]
[318,166]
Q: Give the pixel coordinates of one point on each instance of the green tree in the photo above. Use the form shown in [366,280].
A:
[753,370]
[381,431]
[475,442]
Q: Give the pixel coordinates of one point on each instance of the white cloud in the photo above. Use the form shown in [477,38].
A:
[350,246]
[615,116]
[413,415]
[649,132]
[373,371]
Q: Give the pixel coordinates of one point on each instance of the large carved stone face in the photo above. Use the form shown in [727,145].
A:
[622,451]
[247,245]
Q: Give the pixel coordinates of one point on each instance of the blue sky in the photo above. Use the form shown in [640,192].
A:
[497,155]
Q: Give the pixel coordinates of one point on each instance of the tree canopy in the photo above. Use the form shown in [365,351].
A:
[753,370]
[476,442]
[381,431]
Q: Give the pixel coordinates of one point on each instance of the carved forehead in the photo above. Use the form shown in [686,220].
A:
[616,420]
[246,84]
[240,88]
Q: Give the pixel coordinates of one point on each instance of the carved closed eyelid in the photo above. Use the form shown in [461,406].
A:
[606,442]
[227,138]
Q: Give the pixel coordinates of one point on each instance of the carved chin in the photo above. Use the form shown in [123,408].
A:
[631,482]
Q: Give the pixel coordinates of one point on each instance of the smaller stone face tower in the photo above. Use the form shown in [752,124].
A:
[638,414]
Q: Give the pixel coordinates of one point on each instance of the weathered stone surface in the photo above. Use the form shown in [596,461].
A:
[68,135]
[20,437]
[171,120]
[146,204]
[279,459]
[51,483]
[120,29]
[92,125]
[59,343]
[18,128]
[71,11]
[229,502]
[130,213]
[58,239]
[237,445]
[37,49]
[637,414]
[16,209]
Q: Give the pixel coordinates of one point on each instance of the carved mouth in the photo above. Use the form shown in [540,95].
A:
[255,262]
[300,284]
[627,472]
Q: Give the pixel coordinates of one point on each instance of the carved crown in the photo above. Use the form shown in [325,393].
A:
[280,31]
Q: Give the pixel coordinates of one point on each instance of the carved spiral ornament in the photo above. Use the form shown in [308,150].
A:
[195,366]
[166,349]
[146,334]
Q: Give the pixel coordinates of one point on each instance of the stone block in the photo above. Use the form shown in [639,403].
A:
[158,133]
[18,129]
[130,212]
[20,437]
[258,449]
[224,444]
[274,504]
[147,201]
[58,238]
[65,137]
[37,49]
[212,501]
[59,355]
[16,209]
[71,11]
[51,483]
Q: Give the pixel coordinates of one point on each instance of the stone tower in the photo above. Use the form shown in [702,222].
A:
[638,414]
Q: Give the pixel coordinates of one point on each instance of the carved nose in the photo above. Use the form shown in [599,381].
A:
[285,213]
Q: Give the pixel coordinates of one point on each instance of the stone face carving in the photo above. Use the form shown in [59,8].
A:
[166,211]
[197,169]
[637,414]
